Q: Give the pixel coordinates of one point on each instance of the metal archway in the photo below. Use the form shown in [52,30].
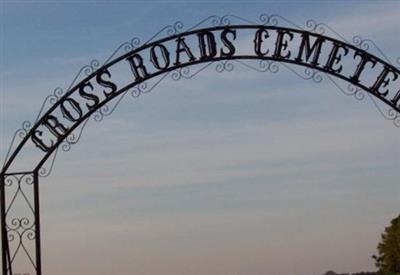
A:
[212,41]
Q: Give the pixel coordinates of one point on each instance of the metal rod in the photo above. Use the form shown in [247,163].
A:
[37,222]
[5,251]
[3,224]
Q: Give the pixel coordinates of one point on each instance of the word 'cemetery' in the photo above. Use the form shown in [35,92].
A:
[220,43]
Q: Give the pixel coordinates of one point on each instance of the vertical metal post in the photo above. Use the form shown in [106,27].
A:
[4,241]
[5,246]
[37,223]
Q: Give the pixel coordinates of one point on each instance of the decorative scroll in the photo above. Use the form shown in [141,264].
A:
[20,228]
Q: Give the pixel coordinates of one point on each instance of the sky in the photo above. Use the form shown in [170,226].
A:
[232,173]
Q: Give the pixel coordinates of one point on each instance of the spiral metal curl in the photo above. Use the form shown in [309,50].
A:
[180,73]
[270,66]
[127,46]
[224,66]
[393,115]
[225,21]
[98,116]
[176,28]
[270,20]
[313,74]
[73,138]
[89,69]
[67,143]
[322,28]
[215,21]
[366,44]
[23,131]
[139,89]
[313,26]
[46,171]
[358,93]
[16,182]
[23,224]
[20,238]
[135,42]
[361,43]
[275,19]
[390,114]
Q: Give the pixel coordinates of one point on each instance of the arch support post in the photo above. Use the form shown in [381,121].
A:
[20,223]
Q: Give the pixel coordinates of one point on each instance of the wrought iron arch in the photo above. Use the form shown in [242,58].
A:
[275,41]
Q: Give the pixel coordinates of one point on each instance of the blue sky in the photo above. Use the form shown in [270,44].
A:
[232,173]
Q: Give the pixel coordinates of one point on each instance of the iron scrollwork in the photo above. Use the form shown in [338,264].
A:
[21,223]
[21,232]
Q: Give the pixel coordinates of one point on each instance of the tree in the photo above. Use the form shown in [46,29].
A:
[388,258]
